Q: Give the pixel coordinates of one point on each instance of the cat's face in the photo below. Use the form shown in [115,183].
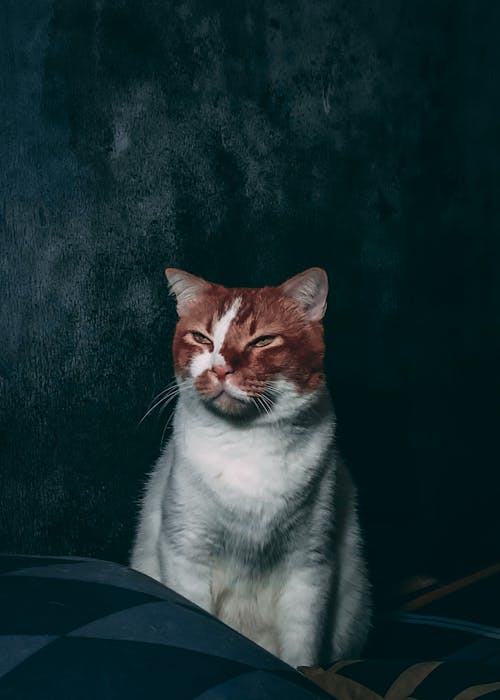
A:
[250,352]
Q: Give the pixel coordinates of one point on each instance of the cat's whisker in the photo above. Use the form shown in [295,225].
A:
[261,402]
[167,395]
[172,392]
[176,394]
[169,386]
[166,404]
[256,403]
[150,410]
[169,421]
[168,401]
[267,401]
[179,387]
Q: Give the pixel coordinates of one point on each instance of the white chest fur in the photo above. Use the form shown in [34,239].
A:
[260,465]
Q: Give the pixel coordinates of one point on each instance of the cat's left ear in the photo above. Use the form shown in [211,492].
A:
[309,290]
[185,287]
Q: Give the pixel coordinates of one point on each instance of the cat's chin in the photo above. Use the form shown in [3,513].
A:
[226,405]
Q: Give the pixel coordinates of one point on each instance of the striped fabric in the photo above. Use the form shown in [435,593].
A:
[79,628]
[381,679]
[456,621]
[457,625]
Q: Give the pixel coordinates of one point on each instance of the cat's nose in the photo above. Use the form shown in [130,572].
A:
[222,371]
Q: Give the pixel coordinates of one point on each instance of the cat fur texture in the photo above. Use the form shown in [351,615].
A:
[249,512]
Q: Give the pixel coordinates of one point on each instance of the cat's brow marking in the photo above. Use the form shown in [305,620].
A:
[206,360]
[222,325]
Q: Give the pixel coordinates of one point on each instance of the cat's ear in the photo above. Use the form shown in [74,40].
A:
[185,287]
[309,290]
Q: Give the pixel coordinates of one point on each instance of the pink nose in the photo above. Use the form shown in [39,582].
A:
[222,371]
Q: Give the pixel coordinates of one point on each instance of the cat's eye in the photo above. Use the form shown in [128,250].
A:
[200,338]
[262,341]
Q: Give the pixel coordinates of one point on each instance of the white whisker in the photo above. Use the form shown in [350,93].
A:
[268,400]
[262,403]
[164,398]
[169,386]
[256,404]
[170,418]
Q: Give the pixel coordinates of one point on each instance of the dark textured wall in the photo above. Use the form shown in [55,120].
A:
[245,141]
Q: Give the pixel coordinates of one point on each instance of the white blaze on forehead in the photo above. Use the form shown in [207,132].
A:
[206,360]
[222,327]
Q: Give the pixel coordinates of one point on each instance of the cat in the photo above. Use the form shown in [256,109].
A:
[249,512]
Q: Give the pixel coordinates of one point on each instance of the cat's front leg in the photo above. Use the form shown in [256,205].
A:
[301,615]
[186,575]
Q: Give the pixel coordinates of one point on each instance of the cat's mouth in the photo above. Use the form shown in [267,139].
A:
[227,398]
[224,402]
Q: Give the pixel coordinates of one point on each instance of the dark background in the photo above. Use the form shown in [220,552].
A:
[246,141]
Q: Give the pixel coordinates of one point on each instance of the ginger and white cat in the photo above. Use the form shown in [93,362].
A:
[248,512]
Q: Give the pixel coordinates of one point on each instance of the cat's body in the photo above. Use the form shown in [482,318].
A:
[249,512]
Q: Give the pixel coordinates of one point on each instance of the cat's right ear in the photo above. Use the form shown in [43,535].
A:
[185,287]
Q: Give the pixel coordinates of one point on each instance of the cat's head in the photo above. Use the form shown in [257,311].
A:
[245,352]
